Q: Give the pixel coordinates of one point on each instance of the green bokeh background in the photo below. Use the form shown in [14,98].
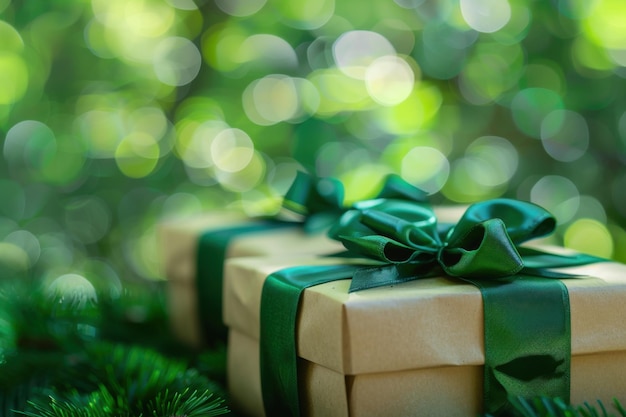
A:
[118,114]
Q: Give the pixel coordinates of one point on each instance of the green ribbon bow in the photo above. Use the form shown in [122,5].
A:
[484,243]
[317,202]
[526,311]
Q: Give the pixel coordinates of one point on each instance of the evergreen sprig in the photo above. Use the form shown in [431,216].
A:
[128,381]
[63,355]
[555,407]
[103,403]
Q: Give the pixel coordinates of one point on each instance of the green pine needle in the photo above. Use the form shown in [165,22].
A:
[555,407]
[128,381]
[102,403]
[184,404]
[60,357]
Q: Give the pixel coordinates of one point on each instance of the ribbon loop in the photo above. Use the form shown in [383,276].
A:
[523,220]
[482,243]
[415,233]
[396,188]
[486,251]
[318,202]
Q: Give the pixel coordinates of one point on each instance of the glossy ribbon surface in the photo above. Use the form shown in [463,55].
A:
[318,202]
[211,252]
[279,309]
[526,311]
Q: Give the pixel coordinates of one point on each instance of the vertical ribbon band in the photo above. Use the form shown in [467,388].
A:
[527,340]
[280,300]
[210,256]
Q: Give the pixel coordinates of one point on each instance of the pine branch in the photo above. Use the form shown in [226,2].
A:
[129,381]
[186,404]
[555,407]
[64,355]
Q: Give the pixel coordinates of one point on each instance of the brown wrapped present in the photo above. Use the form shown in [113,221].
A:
[414,349]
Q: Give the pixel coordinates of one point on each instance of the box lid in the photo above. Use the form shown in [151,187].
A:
[419,324]
[178,240]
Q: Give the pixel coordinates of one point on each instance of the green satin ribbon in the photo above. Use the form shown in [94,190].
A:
[526,311]
[315,199]
[211,253]
[279,309]
[318,202]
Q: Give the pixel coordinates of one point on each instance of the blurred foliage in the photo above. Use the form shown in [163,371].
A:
[115,114]
[555,407]
[67,350]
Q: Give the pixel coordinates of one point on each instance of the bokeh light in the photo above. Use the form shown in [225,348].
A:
[486,16]
[557,194]
[490,72]
[356,50]
[176,61]
[389,80]
[73,290]
[426,167]
[603,23]
[137,154]
[278,98]
[88,219]
[116,114]
[232,150]
[531,106]
[240,8]
[589,236]
[305,14]
[565,135]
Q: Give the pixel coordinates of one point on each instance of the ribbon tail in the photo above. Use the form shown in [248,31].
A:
[547,273]
[537,259]
[395,187]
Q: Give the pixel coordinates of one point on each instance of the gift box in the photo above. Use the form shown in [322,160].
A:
[413,349]
[178,247]
[178,242]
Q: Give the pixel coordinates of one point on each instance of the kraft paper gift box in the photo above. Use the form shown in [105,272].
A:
[178,246]
[178,243]
[414,349]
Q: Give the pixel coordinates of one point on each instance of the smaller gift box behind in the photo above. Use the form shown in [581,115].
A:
[178,244]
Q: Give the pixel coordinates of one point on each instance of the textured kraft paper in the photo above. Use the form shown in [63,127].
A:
[177,242]
[427,334]
[451,391]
